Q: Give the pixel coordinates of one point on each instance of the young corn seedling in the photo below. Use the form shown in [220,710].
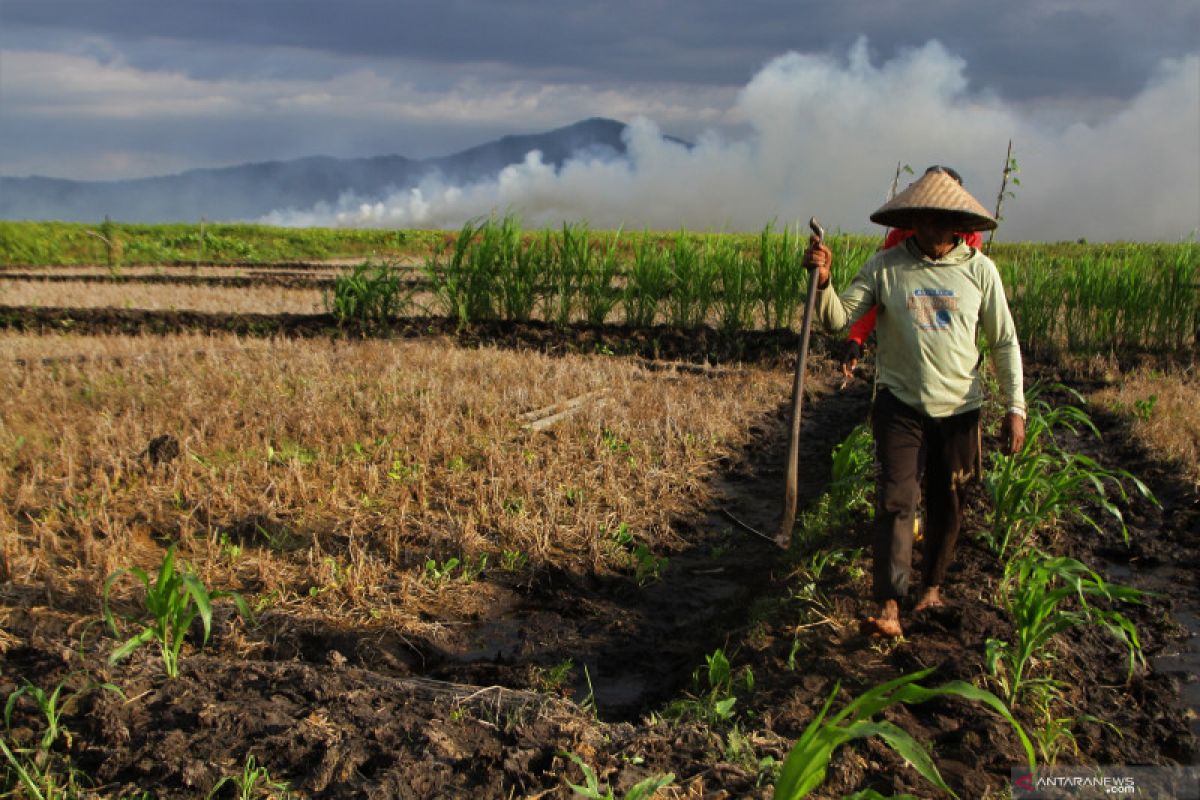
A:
[807,588]
[48,705]
[852,486]
[739,749]
[1037,591]
[254,783]
[1056,734]
[647,567]
[439,575]
[39,777]
[594,790]
[51,706]
[552,678]
[40,772]
[172,602]
[1044,484]
[714,704]
[807,762]
[513,560]
[622,547]
[851,490]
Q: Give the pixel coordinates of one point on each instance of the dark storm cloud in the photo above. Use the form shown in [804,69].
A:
[782,99]
[1022,49]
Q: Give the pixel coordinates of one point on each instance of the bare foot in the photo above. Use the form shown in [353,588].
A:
[887,624]
[931,599]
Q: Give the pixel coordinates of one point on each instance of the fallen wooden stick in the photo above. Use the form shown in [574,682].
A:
[543,418]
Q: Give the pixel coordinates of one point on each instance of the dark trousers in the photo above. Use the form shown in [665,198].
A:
[907,444]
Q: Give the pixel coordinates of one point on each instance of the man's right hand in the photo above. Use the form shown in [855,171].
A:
[850,357]
[1012,433]
[818,258]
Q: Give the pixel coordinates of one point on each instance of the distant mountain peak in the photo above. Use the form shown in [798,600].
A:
[251,191]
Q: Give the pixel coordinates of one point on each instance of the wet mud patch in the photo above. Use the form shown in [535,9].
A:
[335,731]
[1161,555]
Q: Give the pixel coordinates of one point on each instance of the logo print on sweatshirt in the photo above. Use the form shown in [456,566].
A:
[932,309]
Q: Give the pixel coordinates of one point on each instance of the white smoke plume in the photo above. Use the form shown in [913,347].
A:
[825,136]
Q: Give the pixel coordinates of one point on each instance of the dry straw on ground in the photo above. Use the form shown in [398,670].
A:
[330,472]
[1163,412]
[155,297]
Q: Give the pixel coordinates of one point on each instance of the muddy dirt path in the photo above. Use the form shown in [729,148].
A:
[474,712]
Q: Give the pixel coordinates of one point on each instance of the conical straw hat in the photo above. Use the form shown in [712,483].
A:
[938,193]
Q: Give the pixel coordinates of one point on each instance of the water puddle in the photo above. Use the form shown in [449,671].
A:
[1181,658]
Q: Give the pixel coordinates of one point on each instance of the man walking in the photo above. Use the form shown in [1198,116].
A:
[934,293]
[859,331]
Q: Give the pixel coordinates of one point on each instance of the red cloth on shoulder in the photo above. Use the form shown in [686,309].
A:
[860,330]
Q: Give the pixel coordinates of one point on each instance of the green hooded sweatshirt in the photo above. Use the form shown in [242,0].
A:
[930,314]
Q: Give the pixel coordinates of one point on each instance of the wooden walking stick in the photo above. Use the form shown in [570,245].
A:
[783,536]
